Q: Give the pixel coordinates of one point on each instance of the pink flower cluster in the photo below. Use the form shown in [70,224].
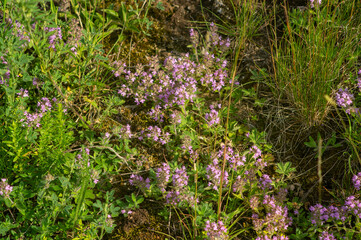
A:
[276,221]
[156,134]
[344,99]
[139,182]
[214,174]
[6,76]
[5,188]
[33,119]
[212,117]
[233,158]
[19,31]
[321,214]
[326,236]
[257,155]
[55,37]
[356,180]
[216,230]
[312,3]
[163,176]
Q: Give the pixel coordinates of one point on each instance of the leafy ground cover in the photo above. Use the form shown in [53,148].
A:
[150,119]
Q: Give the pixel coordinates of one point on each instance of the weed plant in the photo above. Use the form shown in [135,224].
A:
[315,54]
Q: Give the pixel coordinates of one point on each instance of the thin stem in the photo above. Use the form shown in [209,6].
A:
[195,200]
[319,170]
[84,186]
[226,130]
[162,233]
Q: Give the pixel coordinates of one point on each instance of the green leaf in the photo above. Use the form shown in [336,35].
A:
[100,17]
[98,204]
[160,6]
[20,206]
[6,226]
[311,143]
[285,168]
[140,200]
[8,203]
[89,194]
[134,198]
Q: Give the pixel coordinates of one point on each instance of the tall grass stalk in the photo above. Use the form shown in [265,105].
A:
[81,197]
[319,169]
[313,57]
[245,15]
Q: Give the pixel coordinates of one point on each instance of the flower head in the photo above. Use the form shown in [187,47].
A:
[216,230]
[5,188]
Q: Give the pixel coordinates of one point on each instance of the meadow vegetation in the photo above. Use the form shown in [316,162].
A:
[106,137]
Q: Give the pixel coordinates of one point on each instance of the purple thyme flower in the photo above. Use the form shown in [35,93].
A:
[233,158]
[344,99]
[95,176]
[215,38]
[180,192]
[257,222]
[163,176]
[319,214]
[5,188]
[138,181]
[173,197]
[265,182]
[187,144]
[176,83]
[326,236]
[23,93]
[214,174]
[194,37]
[239,184]
[36,83]
[356,180]
[44,104]
[125,132]
[3,60]
[180,178]
[109,221]
[155,133]
[281,196]
[254,202]
[276,219]
[55,37]
[265,237]
[157,113]
[6,76]
[312,3]
[176,117]
[212,117]
[19,31]
[353,206]
[256,151]
[337,213]
[73,49]
[257,155]
[119,68]
[31,119]
[216,230]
